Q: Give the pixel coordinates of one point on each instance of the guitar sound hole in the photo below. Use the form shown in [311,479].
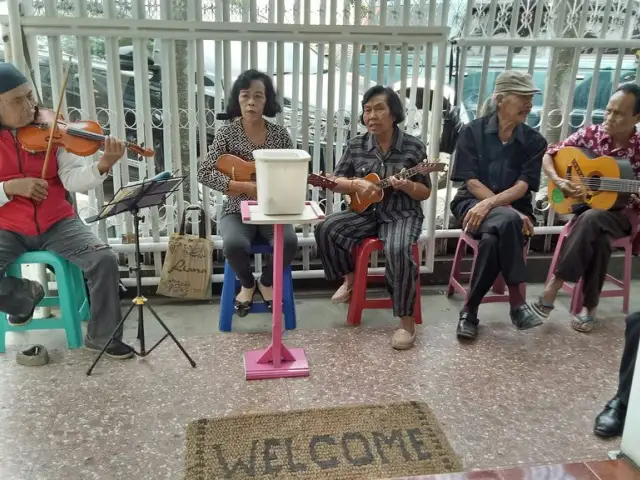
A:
[594,183]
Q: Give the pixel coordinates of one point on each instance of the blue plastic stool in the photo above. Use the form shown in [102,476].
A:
[72,299]
[230,285]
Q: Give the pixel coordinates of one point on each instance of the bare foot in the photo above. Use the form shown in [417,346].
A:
[246,294]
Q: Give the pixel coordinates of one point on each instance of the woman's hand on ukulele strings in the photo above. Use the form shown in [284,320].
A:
[364,187]
[114,150]
[635,200]
[400,183]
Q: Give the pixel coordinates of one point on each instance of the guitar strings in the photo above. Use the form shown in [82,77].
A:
[615,184]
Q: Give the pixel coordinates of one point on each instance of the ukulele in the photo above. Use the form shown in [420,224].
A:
[241,170]
[359,202]
[603,182]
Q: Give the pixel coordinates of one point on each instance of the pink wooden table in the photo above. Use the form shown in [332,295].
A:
[277,360]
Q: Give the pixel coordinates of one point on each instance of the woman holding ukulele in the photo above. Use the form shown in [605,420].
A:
[252,97]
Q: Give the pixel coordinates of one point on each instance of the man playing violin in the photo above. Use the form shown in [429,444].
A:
[587,248]
[36,215]
[396,220]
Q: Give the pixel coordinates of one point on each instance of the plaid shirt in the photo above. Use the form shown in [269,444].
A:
[363,156]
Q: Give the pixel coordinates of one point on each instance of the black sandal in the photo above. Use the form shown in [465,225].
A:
[243,308]
[268,303]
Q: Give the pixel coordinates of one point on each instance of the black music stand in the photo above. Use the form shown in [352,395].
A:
[132,198]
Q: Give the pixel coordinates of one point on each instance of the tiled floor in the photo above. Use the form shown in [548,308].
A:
[596,470]
[511,398]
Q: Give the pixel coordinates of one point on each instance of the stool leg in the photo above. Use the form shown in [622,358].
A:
[499,285]
[556,253]
[69,312]
[626,287]
[80,293]
[289,301]
[3,331]
[227,299]
[417,307]
[455,268]
[359,292]
[473,269]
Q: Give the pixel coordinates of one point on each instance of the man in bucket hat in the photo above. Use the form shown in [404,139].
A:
[498,158]
[35,215]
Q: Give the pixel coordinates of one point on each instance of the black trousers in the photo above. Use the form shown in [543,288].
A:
[629,356]
[342,231]
[587,250]
[236,245]
[500,247]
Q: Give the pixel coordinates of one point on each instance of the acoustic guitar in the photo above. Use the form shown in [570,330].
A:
[604,182]
[359,202]
[241,170]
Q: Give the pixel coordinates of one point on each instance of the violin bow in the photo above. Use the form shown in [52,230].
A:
[54,124]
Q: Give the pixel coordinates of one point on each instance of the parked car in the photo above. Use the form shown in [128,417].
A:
[584,79]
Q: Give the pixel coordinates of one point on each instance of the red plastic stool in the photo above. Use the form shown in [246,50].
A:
[455,279]
[359,300]
[575,290]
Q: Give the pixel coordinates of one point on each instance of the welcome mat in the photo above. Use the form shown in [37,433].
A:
[353,442]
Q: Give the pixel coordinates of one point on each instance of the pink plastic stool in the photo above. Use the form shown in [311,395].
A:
[455,279]
[623,286]
[359,300]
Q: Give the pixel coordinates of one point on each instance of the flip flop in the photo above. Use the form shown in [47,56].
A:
[583,323]
[542,308]
[36,356]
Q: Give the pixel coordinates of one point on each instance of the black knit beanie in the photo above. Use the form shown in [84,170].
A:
[10,77]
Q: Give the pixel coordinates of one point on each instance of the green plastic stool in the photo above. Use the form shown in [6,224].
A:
[72,299]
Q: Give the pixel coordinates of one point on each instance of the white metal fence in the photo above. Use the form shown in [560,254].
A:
[164,89]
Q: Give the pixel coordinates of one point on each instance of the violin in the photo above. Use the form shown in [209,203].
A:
[81,138]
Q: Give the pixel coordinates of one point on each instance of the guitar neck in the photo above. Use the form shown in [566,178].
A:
[402,175]
[619,185]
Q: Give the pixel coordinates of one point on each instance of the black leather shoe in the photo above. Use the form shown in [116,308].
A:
[523,318]
[467,326]
[610,422]
[37,294]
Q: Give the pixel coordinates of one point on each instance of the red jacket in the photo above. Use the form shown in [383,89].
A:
[20,214]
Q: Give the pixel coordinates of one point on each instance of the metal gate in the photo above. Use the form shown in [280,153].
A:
[321,93]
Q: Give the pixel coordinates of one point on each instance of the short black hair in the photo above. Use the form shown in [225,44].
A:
[271,106]
[634,89]
[393,102]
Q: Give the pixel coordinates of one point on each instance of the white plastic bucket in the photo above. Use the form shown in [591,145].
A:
[281,179]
